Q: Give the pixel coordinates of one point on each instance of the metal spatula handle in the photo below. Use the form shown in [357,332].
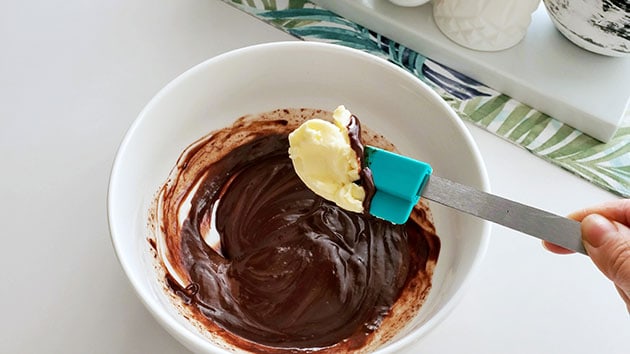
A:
[539,223]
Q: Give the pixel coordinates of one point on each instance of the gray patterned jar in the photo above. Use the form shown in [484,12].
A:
[600,26]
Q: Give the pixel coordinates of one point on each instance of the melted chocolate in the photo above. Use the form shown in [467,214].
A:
[292,270]
[365,174]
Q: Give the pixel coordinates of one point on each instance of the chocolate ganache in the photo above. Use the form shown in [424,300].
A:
[291,271]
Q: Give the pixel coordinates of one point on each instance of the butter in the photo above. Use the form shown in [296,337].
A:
[324,160]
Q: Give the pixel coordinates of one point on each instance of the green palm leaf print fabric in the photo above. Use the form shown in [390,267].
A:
[606,165]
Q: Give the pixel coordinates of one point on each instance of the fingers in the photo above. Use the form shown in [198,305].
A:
[552,247]
[606,237]
[608,244]
[616,210]
[625,296]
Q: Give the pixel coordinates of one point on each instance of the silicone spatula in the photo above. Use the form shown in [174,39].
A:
[400,182]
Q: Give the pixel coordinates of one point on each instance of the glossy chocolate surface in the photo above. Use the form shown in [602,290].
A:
[291,271]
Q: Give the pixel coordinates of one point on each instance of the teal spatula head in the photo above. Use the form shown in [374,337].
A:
[399,181]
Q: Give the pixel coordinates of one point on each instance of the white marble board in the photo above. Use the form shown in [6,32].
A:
[588,91]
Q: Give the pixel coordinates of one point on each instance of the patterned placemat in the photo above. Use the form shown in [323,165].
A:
[605,165]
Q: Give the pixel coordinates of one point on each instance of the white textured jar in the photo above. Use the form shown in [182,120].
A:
[487,25]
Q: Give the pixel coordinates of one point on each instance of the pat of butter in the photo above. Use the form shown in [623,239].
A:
[325,162]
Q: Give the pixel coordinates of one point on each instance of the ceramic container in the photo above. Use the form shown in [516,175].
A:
[485,25]
[600,26]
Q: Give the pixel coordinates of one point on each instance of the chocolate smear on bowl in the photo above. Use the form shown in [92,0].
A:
[262,262]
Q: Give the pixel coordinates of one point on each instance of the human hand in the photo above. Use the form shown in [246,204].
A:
[606,237]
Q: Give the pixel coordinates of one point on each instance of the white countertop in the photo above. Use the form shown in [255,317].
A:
[75,74]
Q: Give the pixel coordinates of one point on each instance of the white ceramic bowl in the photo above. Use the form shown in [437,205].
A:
[294,74]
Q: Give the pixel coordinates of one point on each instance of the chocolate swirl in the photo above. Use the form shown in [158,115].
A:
[292,270]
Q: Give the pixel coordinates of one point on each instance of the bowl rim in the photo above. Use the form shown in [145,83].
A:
[192,340]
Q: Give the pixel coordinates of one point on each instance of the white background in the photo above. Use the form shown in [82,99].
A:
[75,74]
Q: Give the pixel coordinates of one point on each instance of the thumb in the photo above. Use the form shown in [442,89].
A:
[608,245]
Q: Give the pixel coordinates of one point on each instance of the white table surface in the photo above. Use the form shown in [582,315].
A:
[74,75]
